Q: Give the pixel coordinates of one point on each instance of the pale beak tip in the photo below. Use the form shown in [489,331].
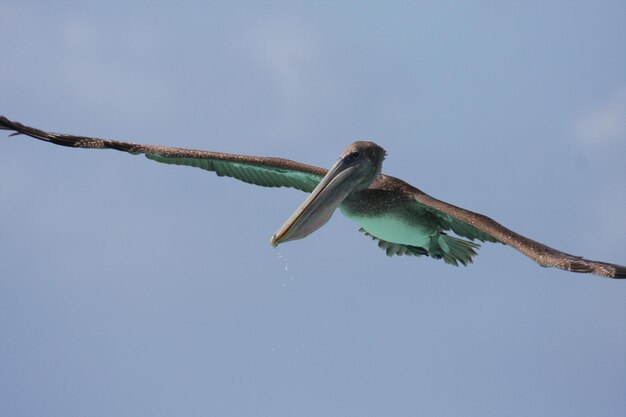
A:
[273,241]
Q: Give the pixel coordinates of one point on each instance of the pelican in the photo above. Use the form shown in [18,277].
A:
[401,218]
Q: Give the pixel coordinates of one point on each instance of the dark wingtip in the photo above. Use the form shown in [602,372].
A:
[620,272]
[56,138]
[20,129]
[6,124]
[586,266]
[602,269]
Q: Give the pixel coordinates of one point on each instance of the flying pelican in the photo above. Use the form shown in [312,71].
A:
[403,219]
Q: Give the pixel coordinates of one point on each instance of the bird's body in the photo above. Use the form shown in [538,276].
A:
[387,212]
[397,226]
[403,219]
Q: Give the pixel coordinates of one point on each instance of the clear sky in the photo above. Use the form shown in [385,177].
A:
[131,288]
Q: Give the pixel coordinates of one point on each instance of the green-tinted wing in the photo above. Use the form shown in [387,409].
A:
[266,172]
[263,171]
[461,228]
[469,224]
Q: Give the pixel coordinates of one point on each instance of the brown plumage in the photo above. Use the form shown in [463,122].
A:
[375,201]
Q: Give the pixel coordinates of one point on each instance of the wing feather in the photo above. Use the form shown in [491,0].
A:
[257,173]
[392,248]
[540,253]
[461,228]
[263,171]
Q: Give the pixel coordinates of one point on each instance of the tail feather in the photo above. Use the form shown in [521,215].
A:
[453,250]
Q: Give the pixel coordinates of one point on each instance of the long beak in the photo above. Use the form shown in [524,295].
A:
[319,206]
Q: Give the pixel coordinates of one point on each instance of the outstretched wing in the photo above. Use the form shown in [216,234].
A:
[263,171]
[477,226]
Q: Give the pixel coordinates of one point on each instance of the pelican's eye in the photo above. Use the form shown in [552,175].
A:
[355,154]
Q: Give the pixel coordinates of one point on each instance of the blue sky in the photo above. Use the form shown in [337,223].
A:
[129,287]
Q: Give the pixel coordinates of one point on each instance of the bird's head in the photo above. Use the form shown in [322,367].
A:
[363,160]
[357,167]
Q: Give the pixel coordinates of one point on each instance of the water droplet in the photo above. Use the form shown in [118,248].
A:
[284,260]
